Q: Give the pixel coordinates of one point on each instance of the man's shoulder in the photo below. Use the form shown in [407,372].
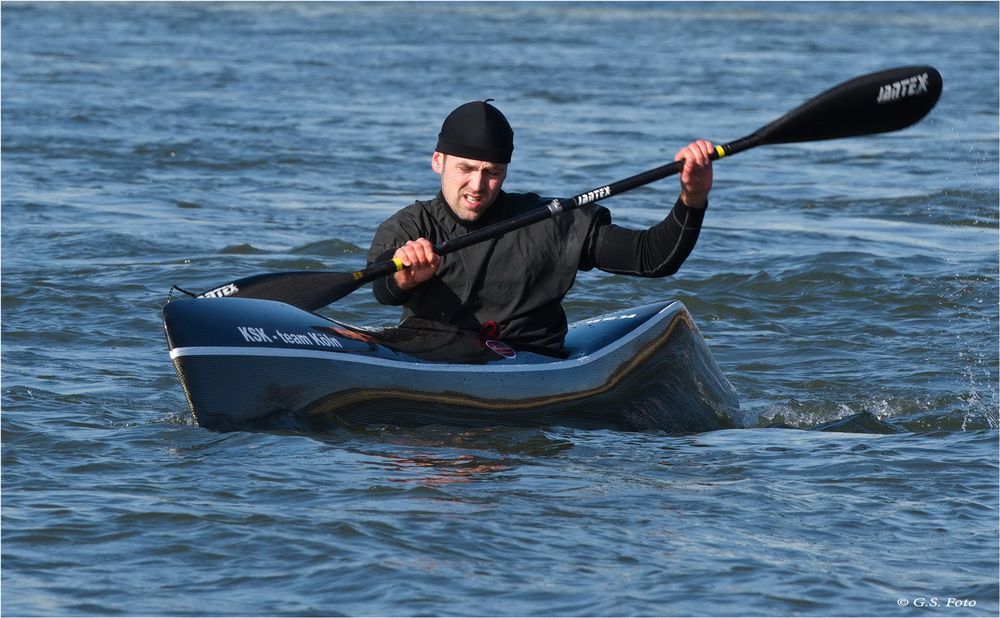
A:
[419,210]
[513,204]
[522,197]
[527,201]
[418,207]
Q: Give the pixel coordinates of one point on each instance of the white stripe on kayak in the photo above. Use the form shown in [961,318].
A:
[384,362]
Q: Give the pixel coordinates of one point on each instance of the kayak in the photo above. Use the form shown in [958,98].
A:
[242,361]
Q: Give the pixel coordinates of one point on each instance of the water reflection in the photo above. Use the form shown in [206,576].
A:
[436,455]
[432,469]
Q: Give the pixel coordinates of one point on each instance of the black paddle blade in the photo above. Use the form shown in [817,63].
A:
[875,103]
[306,289]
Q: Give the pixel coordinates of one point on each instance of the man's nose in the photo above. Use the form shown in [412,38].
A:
[476,180]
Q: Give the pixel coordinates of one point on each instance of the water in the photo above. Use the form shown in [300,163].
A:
[850,286]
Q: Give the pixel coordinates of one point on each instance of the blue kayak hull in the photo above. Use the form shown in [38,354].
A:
[244,361]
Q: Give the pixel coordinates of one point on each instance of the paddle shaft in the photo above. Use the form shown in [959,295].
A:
[553,209]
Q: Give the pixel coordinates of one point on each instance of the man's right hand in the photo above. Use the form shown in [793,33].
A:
[420,263]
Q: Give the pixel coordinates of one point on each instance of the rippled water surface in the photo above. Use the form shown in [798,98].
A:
[848,290]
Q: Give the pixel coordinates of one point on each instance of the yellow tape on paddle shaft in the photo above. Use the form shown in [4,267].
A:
[720,151]
[398,263]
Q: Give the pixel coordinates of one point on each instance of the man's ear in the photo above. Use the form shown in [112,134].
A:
[437,162]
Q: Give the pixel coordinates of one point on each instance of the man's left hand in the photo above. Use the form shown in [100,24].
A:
[696,177]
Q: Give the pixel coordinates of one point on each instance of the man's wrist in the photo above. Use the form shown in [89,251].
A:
[396,289]
[696,202]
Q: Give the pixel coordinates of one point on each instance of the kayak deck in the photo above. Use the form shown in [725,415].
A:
[244,360]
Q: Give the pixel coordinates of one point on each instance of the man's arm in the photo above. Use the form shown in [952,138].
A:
[660,250]
[656,252]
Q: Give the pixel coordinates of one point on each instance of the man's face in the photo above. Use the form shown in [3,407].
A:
[469,186]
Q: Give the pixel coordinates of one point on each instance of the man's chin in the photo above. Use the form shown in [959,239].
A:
[471,214]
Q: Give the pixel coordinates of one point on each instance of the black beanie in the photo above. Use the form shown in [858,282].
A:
[477,130]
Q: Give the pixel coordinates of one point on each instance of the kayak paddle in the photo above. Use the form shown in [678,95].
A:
[875,103]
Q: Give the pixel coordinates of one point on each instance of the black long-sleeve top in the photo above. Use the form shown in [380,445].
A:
[519,280]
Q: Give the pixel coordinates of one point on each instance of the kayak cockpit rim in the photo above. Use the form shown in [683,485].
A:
[555,365]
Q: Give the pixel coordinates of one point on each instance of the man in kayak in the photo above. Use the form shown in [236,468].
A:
[511,288]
